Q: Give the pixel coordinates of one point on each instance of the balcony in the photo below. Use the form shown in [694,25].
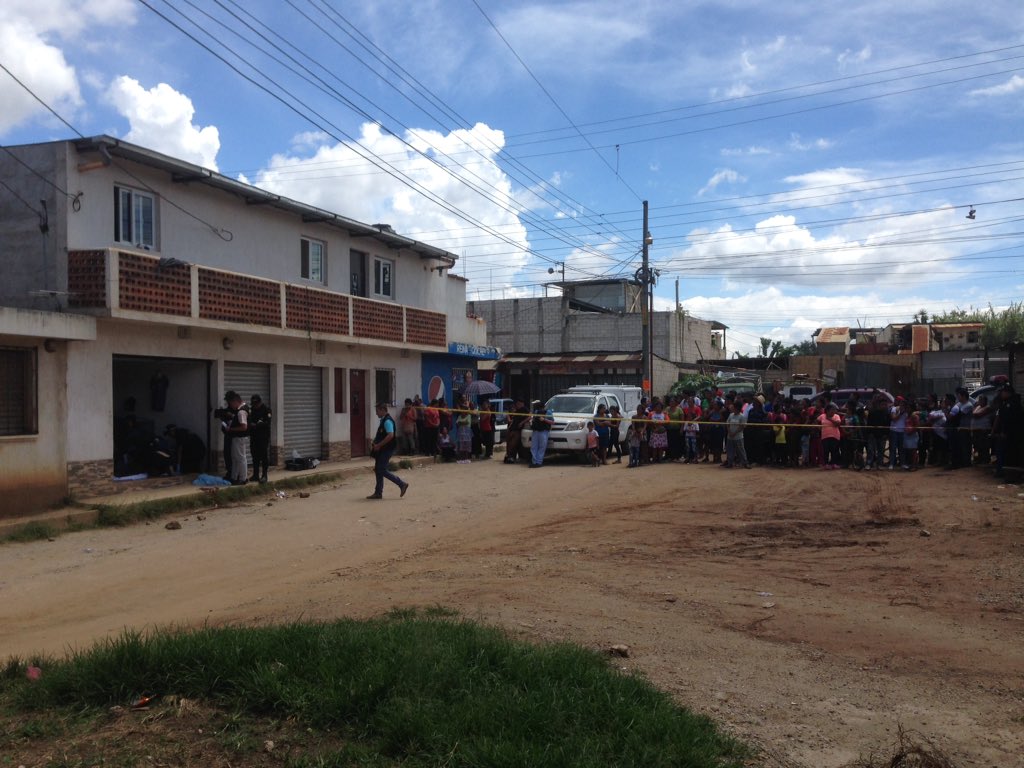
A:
[139,286]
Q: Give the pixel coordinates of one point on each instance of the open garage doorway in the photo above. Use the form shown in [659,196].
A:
[150,395]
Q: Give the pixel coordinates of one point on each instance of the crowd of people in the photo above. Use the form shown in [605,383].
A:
[741,431]
[458,433]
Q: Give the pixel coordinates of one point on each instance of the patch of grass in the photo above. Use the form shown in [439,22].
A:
[415,689]
[33,531]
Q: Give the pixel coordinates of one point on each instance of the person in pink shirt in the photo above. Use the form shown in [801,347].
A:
[593,446]
[830,422]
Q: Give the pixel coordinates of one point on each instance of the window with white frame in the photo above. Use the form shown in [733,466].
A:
[134,218]
[314,260]
[383,278]
[18,411]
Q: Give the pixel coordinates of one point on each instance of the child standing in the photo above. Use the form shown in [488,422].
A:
[593,445]
[634,437]
[911,439]
[690,432]
[830,421]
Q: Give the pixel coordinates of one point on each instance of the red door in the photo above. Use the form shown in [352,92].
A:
[357,411]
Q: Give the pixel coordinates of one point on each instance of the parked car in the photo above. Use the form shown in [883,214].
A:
[572,411]
[739,383]
[501,406]
[989,390]
[801,390]
[842,396]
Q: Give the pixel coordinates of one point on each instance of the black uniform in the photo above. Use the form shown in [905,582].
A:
[259,440]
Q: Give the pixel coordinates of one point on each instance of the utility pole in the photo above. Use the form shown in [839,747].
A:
[645,280]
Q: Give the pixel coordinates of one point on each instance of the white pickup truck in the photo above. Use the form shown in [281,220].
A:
[572,411]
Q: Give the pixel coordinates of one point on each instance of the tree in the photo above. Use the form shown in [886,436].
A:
[803,348]
[1004,327]
[779,349]
[921,317]
[958,315]
[766,344]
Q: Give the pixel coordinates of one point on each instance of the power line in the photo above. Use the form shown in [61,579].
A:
[508,204]
[308,113]
[552,99]
[25,202]
[222,233]
[772,102]
[786,89]
[766,118]
[406,77]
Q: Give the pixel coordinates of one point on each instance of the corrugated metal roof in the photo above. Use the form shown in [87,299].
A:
[582,357]
[834,335]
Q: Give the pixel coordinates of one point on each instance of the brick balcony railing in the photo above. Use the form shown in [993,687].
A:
[119,280]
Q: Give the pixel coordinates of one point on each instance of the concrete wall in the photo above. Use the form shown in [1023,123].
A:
[522,325]
[451,300]
[29,258]
[264,241]
[536,326]
[33,470]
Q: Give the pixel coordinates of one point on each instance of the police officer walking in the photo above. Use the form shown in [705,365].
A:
[382,449]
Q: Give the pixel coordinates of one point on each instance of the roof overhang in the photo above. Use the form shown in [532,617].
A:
[187,173]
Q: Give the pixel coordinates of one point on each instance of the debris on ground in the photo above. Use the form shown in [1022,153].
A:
[619,650]
[912,750]
[174,525]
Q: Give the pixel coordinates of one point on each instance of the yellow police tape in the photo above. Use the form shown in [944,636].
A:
[723,423]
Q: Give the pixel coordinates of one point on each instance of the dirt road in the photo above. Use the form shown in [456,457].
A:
[806,610]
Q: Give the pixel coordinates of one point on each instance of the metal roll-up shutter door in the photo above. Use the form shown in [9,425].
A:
[303,411]
[248,379]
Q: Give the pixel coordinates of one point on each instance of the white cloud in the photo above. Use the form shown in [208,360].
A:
[827,177]
[721,176]
[41,67]
[758,312]
[744,151]
[30,33]
[309,140]
[780,251]
[795,142]
[589,32]
[851,57]
[161,119]
[1012,85]
[337,178]
[69,18]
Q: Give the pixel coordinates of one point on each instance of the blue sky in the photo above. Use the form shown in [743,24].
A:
[805,164]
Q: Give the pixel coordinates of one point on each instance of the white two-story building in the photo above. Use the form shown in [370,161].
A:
[139,288]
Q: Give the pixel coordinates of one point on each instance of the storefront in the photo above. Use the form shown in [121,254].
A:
[446,375]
